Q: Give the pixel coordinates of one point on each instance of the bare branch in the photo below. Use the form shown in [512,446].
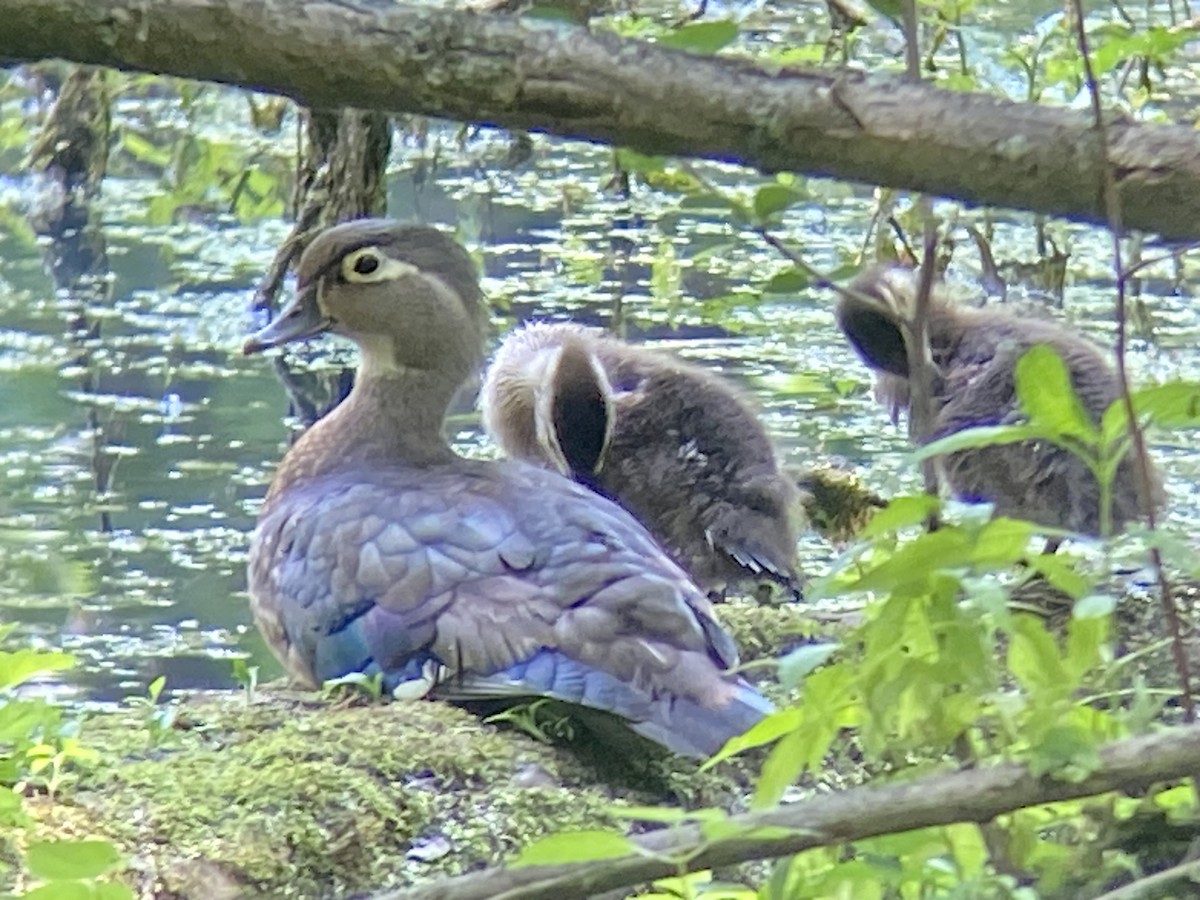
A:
[1153,885]
[526,74]
[977,795]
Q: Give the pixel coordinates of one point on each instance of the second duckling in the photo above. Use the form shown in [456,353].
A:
[975,353]
[678,447]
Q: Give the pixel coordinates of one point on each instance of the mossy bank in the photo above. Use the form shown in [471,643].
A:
[291,795]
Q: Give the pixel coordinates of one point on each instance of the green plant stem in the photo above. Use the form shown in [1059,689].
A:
[920,359]
[1141,459]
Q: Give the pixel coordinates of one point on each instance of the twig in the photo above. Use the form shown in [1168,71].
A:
[1112,206]
[817,277]
[977,795]
[1155,260]
[912,47]
[920,358]
[1151,884]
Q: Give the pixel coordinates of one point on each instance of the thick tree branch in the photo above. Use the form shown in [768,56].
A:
[565,80]
[968,796]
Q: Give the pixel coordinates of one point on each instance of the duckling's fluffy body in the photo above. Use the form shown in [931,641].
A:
[974,354]
[677,446]
[379,550]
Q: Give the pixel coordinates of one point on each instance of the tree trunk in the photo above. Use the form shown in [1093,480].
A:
[568,81]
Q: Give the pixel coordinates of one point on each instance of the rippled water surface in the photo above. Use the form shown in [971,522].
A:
[136,441]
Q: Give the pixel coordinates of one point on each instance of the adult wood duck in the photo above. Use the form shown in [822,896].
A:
[380,550]
[975,352]
[677,446]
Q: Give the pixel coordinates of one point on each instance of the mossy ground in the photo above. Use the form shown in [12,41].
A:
[295,796]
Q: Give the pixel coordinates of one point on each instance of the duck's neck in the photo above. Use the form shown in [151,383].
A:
[391,418]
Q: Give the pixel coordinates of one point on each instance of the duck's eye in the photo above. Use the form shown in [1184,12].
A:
[369,264]
[362,265]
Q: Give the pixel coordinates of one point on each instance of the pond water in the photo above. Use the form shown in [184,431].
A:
[136,442]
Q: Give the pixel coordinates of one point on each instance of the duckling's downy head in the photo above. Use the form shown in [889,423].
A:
[408,295]
[547,398]
[974,353]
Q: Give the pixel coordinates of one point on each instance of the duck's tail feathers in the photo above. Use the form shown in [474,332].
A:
[683,726]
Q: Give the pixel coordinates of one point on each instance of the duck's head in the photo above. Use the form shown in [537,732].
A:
[408,295]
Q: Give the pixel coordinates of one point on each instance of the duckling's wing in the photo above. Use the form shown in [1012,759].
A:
[745,540]
[496,580]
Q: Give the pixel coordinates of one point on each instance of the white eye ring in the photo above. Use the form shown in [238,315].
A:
[369,264]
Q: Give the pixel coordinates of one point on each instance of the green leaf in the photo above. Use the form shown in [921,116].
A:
[1034,659]
[1172,405]
[65,860]
[789,281]
[61,890]
[12,813]
[144,151]
[156,688]
[1094,606]
[987,594]
[1048,397]
[783,766]
[983,436]
[1068,751]
[244,674]
[111,890]
[774,198]
[769,729]
[640,163]
[917,561]
[574,846]
[829,705]
[1085,644]
[702,37]
[1062,573]
[22,721]
[902,512]
[794,666]
[21,665]
[1002,541]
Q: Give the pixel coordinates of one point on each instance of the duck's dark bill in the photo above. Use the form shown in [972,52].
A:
[302,319]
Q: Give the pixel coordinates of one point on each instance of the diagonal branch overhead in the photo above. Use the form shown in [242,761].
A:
[568,81]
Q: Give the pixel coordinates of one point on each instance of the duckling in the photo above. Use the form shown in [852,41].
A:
[380,550]
[975,352]
[675,445]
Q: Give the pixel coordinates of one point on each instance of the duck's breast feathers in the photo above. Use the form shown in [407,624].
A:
[478,567]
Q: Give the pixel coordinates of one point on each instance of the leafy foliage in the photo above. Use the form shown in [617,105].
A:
[947,665]
[38,748]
